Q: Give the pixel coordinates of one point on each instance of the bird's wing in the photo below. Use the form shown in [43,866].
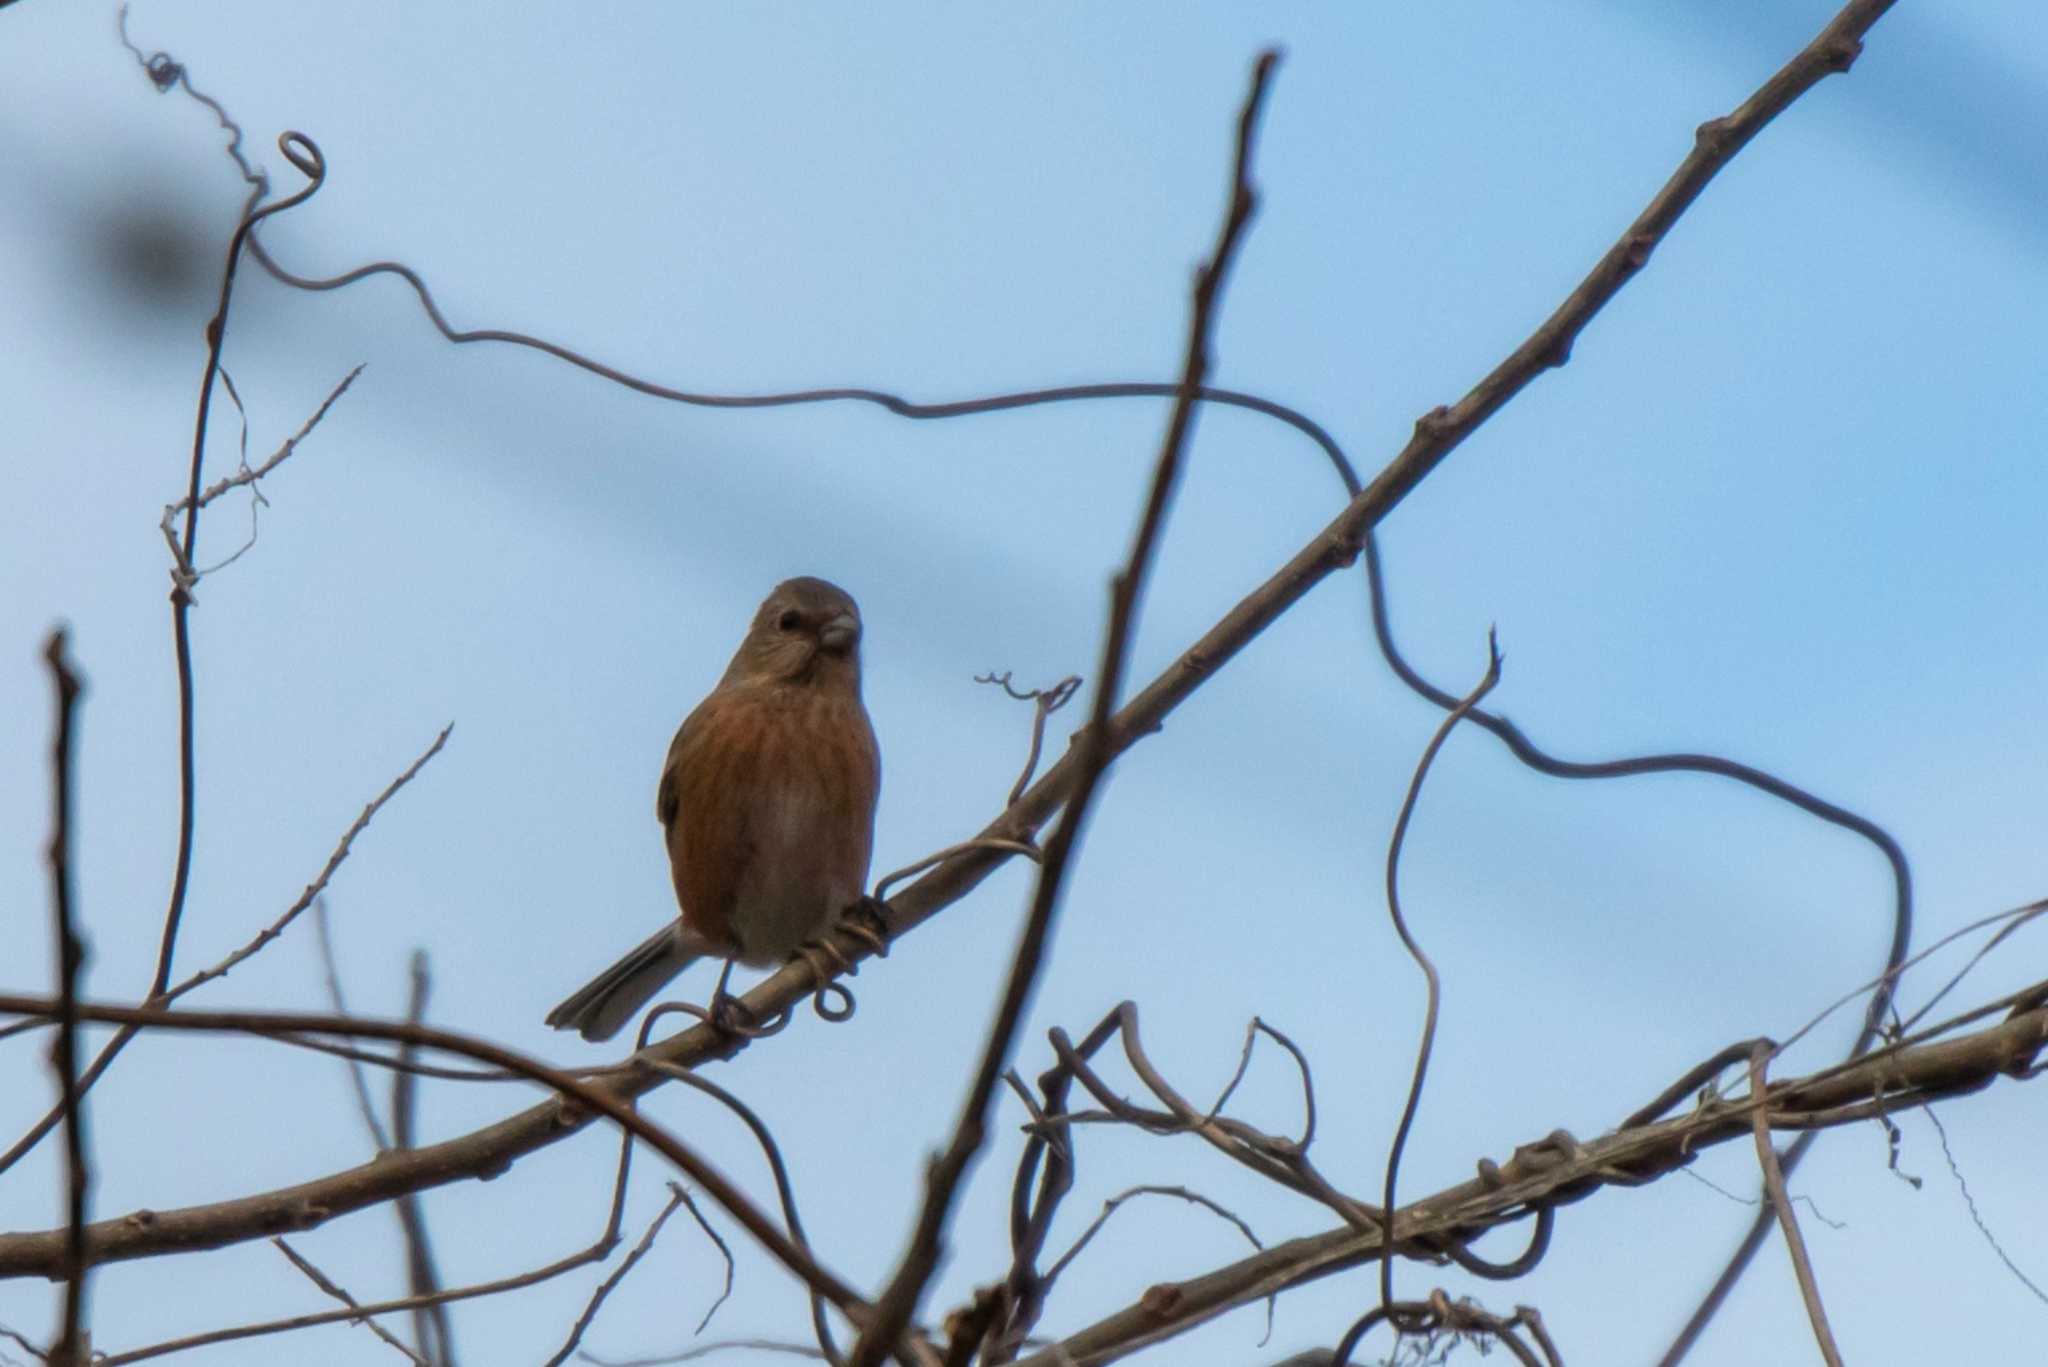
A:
[700,805]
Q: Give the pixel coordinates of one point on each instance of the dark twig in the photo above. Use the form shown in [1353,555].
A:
[604,1288]
[1429,973]
[71,1346]
[431,1329]
[1977,1216]
[899,1303]
[327,1284]
[1781,1206]
[24,1343]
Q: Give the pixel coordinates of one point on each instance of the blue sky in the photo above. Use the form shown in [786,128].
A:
[1785,504]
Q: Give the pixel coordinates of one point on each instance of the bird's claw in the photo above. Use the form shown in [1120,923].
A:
[868,921]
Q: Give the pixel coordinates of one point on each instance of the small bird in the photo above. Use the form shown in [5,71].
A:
[767,801]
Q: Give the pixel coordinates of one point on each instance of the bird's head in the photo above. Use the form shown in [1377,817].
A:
[806,631]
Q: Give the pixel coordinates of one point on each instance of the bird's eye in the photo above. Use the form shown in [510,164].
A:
[790,620]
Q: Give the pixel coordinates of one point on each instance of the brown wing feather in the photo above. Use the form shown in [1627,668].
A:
[707,831]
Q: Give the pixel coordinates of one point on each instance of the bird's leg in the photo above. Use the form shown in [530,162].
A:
[726,1012]
[866,920]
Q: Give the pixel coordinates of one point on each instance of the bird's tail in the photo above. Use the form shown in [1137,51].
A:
[615,996]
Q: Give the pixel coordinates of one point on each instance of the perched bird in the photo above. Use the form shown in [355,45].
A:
[767,801]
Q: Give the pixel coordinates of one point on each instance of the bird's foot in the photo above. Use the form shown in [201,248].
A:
[729,1015]
[868,921]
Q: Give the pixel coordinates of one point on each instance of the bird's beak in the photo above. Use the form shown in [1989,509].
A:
[838,634]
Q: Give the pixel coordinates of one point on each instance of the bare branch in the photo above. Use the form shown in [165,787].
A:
[899,1303]
[325,1283]
[1774,1184]
[320,881]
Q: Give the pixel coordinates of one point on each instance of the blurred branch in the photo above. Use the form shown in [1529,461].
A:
[72,1346]
[380,1140]
[431,1329]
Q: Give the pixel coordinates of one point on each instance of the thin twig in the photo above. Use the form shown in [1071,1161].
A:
[889,880]
[785,1189]
[1045,702]
[312,890]
[705,1350]
[1116,1202]
[1977,1216]
[70,1347]
[189,575]
[1429,973]
[327,1284]
[899,1302]
[1781,1206]
[604,1288]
